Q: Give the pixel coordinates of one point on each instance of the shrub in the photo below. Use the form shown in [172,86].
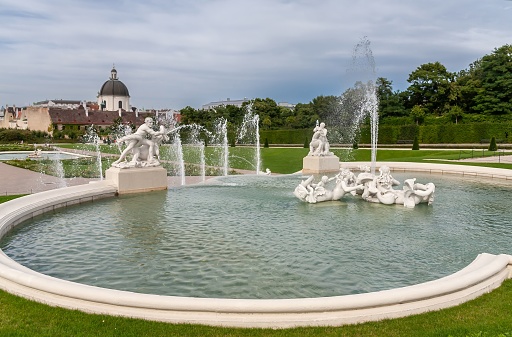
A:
[266,142]
[492,145]
[416,143]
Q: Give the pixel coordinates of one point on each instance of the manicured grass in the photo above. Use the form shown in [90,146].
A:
[488,315]
[4,198]
[289,160]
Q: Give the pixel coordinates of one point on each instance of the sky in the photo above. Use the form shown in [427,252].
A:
[177,53]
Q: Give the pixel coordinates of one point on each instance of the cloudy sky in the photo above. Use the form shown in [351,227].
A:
[174,53]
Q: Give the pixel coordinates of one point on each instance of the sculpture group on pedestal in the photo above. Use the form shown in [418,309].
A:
[319,145]
[372,188]
[145,152]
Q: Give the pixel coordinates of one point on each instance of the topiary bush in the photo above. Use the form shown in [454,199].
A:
[492,145]
[416,143]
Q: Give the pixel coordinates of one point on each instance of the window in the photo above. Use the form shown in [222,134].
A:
[120,104]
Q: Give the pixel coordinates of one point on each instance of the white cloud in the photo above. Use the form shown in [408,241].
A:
[178,53]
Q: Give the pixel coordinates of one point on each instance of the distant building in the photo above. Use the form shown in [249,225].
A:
[286,105]
[58,103]
[114,94]
[236,102]
[61,115]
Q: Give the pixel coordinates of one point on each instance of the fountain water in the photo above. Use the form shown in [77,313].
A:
[59,171]
[358,102]
[219,139]
[93,138]
[197,145]
[250,134]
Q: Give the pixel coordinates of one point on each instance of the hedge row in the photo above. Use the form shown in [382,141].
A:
[393,134]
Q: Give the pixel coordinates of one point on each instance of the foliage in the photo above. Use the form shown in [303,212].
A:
[416,143]
[494,75]
[430,87]
[492,145]
[418,113]
[26,136]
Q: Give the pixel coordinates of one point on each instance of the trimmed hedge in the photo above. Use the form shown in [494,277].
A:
[447,133]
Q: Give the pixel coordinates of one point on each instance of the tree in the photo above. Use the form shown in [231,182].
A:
[418,113]
[430,87]
[390,103]
[455,114]
[494,74]
[324,106]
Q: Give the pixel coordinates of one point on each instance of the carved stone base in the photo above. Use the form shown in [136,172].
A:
[135,180]
[320,164]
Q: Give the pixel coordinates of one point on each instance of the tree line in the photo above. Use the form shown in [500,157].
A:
[482,92]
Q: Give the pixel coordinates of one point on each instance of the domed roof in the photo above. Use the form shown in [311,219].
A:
[114,87]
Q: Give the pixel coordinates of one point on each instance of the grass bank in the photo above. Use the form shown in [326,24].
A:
[486,316]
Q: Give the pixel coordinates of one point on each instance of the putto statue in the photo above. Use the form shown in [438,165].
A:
[145,151]
[378,189]
[319,145]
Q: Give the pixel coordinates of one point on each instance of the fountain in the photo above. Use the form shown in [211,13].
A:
[242,230]
[358,103]
[92,137]
[219,139]
[371,187]
[250,134]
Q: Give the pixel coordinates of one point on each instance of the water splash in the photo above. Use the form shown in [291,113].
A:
[250,134]
[93,138]
[219,139]
[358,102]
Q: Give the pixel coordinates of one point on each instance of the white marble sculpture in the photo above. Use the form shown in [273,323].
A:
[145,152]
[312,193]
[319,145]
[378,189]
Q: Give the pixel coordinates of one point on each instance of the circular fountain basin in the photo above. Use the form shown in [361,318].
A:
[289,250]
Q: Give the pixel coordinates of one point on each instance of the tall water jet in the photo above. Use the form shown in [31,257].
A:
[197,146]
[93,138]
[250,134]
[358,102]
[59,170]
[219,139]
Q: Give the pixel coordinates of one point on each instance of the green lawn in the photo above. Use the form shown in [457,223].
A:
[488,315]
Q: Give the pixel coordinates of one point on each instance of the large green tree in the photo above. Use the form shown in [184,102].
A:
[390,103]
[430,87]
[494,76]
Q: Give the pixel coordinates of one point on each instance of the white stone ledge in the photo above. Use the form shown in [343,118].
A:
[484,274]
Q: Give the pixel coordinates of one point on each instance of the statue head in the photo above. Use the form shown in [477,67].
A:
[148,121]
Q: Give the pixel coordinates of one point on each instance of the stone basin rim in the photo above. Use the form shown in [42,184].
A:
[484,274]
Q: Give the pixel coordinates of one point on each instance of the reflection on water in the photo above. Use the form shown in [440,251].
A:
[251,238]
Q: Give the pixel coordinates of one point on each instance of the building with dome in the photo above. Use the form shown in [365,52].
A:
[114,94]
[71,117]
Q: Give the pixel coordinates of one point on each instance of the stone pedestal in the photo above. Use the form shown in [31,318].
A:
[135,180]
[320,164]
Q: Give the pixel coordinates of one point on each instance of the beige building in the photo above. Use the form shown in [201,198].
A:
[62,115]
